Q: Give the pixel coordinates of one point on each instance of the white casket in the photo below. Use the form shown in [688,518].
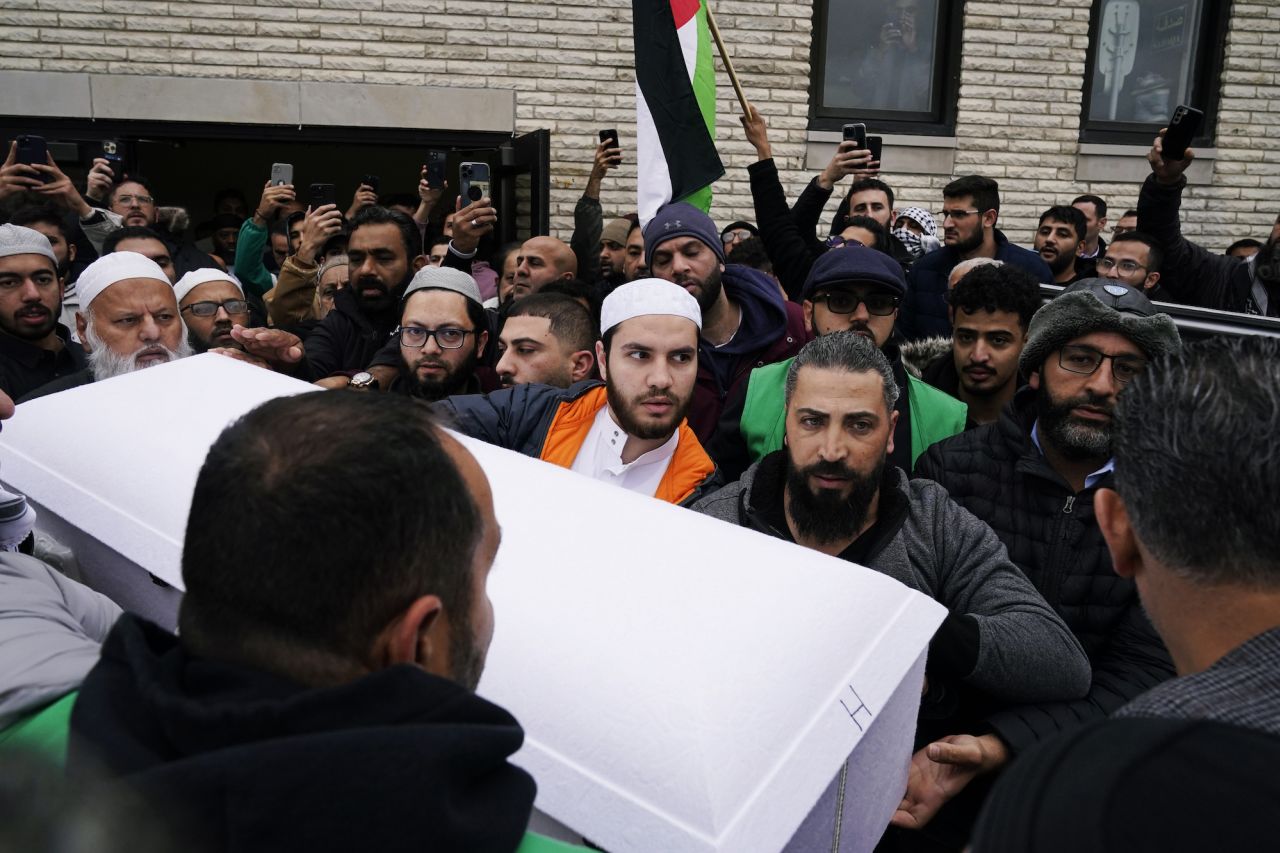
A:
[685,685]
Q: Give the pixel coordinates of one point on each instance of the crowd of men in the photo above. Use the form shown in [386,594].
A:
[1083,491]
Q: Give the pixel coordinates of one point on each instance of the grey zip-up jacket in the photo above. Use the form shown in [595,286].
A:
[51,630]
[1025,652]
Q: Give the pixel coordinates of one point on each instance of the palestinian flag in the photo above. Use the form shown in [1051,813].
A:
[675,105]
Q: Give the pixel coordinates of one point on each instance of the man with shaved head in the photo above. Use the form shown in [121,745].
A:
[540,261]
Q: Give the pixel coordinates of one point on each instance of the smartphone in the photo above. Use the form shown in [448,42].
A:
[858,133]
[281,174]
[876,144]
[474,183]
[371,181]
[1183,127]
[33,150]
[322,194]
[111,153]
[435,169]
[611,136]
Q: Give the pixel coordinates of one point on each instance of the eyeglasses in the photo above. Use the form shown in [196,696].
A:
[835,241]
[415,337]
[741,234]
[846,302]
[957,215]
[208,309]
[1084,360]
[1126,266]
[130,199]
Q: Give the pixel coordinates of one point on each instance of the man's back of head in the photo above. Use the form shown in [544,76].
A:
[1197,465]
[334,627]
[308,535]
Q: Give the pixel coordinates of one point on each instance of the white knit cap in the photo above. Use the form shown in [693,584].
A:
[109,269]
[445,278]
[204,275]
[20,240]
[647,296]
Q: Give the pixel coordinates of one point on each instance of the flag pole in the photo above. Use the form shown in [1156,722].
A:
[724,56]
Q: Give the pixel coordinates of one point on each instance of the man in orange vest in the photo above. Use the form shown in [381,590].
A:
[628,430]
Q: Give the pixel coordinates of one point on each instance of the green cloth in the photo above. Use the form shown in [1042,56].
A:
[534,843]
[935,415]
[46,731]
[250,270]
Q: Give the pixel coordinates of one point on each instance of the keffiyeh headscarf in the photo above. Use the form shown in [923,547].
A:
[918,244]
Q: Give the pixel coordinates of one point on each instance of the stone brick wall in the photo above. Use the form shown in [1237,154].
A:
[570,63]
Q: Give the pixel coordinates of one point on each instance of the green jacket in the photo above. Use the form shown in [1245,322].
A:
[44,732]
[249,268]
[934,415]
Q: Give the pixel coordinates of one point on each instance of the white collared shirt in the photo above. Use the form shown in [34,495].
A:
[600,457]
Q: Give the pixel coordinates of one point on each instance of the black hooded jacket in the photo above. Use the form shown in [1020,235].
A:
[247,761]
[346,339]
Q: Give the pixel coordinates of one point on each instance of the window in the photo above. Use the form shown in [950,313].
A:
[894,61]
[1145,58]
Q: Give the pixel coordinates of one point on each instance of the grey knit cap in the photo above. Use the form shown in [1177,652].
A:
[20,240]
[1098,305]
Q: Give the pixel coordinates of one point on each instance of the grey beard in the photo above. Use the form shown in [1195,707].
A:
[1073,439]
[104,363]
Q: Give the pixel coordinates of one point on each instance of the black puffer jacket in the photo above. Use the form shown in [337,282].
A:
[996,472]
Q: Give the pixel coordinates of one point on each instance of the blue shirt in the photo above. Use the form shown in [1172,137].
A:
[1092,479]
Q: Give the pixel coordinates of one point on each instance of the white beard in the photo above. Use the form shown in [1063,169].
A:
[105,363]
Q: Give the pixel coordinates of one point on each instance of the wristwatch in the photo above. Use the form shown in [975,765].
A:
[363,381]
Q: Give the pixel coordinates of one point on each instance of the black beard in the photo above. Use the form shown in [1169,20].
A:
[197,346]
[385,302]
[644,431]
[1061,262]
[466,657]
[964,246]
[1072,438]
[710,292]
[826,516]
[451,383]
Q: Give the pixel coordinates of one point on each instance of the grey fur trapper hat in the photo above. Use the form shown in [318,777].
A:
[1098,305]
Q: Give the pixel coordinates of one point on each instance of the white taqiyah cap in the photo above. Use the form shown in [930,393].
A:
[204,275]
[20,240]
[444,278]
[109,269]
[647,296]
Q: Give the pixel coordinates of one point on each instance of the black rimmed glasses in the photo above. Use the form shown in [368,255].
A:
[1078,358]
[1126,266]
[208,309]
[415,337]
[846,302]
